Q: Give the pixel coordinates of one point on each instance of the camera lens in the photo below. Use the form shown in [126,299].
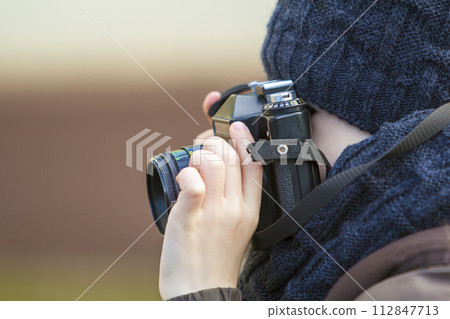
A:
[162,187]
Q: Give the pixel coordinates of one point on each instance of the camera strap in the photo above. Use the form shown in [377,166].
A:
[289,223]
[269,150]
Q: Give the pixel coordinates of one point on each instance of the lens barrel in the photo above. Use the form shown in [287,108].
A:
[162,188]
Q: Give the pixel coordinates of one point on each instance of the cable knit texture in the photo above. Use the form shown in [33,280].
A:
[384,76]
[392,61]
[393,199]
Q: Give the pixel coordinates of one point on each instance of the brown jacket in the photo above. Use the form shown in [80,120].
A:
[415,267]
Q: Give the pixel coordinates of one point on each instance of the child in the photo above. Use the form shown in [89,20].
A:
[379,80]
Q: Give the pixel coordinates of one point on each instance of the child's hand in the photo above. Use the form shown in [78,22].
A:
[209,100]
[210,226]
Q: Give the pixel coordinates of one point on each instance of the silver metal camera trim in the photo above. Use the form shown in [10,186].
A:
[282,149]
[281,97]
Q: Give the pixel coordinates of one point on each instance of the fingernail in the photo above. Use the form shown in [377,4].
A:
[239,126]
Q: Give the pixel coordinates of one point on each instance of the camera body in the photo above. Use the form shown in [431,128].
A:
[273,113]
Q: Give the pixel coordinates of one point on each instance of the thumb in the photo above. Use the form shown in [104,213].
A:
[251,171]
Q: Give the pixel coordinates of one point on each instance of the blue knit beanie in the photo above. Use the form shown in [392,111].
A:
[394,60]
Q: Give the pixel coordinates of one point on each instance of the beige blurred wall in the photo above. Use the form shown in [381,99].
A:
[53,44]
[69,99]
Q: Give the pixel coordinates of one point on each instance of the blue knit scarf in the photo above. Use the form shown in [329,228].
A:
[393,199]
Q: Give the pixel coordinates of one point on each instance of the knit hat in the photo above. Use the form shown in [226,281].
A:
[394,60]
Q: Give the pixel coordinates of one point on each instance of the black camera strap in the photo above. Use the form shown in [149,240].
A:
[290,223]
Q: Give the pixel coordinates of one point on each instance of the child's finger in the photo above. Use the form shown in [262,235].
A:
[200,138]
[212,171]
[209,100]
[219,146]
[192,189]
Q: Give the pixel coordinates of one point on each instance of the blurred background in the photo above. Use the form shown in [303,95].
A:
[70,98]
